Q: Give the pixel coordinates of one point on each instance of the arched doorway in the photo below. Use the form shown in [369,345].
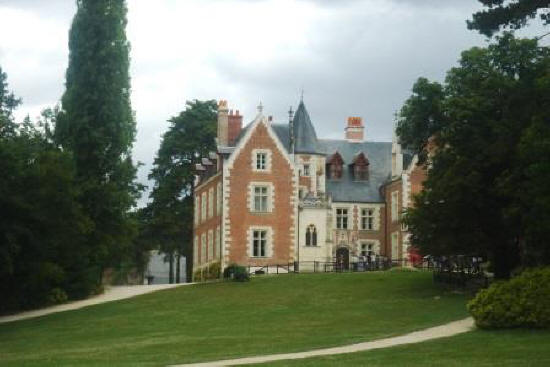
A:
[342,259]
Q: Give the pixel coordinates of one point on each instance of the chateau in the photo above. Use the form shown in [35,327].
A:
[275,193]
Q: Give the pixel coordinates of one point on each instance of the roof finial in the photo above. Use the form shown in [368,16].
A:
[290,114]
[260,107]
[302,95]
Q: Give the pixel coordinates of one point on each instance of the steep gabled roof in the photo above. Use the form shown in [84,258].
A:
[305,138]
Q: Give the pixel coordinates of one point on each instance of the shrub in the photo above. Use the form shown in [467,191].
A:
[523,301]
[57,296]
[237,273]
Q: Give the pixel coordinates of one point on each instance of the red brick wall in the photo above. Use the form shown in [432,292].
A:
[392,226]
[280,219]
[210,223]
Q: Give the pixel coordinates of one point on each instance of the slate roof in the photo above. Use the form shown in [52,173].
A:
[346,189]
[305,138]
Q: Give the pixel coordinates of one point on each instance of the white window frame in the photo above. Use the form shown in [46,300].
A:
[395,206]
[219,199]
[203,207]
[395,245]
[367,219]
[203,248]
[306,170]
[340,218]
[218,241]
[211,202]
[197,209]
[269,197]
[268,250]
[210,245]
[256,165]
[196,249]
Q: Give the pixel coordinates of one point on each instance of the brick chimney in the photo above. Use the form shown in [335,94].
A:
[234,127]
[355,129]
[223,123]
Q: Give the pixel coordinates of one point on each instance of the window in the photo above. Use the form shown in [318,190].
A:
[259,243]
[260,198]
[334,171]
[197,209]
[219,199]
[195,249]
[361,172]
[306,169]
[203,206]
[210,245]
[342,218]
[367,249]
[203,248]
[394,206]
[218,241]
[211,202]
[367,219]
[311,235]
[394,245]
[261,161]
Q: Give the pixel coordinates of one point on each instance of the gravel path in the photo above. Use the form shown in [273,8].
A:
[114,293]
[441,331]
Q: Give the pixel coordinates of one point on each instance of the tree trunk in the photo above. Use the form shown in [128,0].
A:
[171,267]
[178,257]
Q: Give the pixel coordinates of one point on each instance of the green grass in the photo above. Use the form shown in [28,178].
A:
[287,313]
[505,348]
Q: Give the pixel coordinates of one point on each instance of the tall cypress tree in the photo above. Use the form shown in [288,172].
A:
[97,125]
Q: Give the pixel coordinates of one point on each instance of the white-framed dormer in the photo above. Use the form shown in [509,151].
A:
[261,160]
[261,197]
[260,242]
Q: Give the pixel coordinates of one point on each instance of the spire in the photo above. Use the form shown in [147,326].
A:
[260,108]
[291,129]
[305,138]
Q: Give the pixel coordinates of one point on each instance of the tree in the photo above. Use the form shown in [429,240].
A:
[485,193]
[421,117]
[508,14]
[42,260]
[190,137]
[96,124]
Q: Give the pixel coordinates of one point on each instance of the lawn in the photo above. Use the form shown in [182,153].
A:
[287,313]
[505,348]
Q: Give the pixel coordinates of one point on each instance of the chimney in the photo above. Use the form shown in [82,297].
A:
[355,129]
[234,127]
[222,123]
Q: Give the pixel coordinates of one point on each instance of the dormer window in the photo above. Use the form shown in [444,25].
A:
[335,164]
[360,167]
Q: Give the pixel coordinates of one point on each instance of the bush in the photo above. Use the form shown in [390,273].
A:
[523,301]
[211,272]
[57,296]
[237,273]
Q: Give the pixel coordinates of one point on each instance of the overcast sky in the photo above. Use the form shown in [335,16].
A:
[351,57]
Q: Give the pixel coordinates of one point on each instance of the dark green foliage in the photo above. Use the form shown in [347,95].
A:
[42,229]
[421,117]
[189,138]
[236,272]
[486,192]
[508,14]
[97,126]
[523,301]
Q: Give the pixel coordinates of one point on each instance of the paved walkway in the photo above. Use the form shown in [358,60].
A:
[449,329]
[114,293]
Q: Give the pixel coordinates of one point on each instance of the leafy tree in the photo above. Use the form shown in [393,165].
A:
[42,228]
[190,137]
[96,124]
[421,117]
[508,14]
[485,192]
